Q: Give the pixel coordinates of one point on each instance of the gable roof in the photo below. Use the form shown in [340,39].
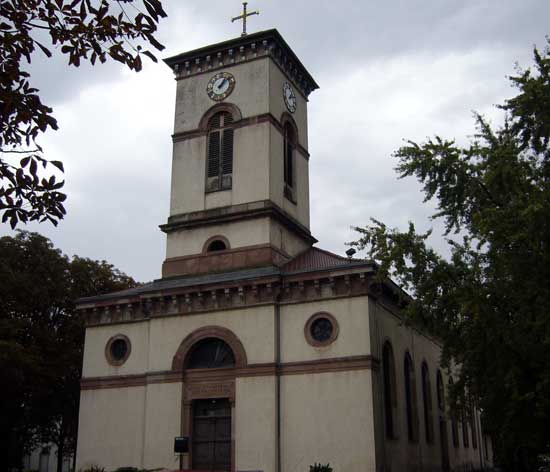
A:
[314,258]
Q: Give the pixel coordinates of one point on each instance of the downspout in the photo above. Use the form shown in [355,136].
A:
[278,378]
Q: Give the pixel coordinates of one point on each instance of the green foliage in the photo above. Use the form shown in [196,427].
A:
[41,341]
[489,300]
[83,31]
[320,468]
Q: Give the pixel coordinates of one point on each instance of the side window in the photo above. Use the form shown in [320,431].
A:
[454,424]
[410,399]
[289,162]
[427,403]
[390,397]
[219,162]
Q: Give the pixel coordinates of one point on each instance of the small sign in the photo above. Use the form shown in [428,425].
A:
[181,444]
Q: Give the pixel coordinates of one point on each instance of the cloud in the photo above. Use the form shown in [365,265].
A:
[388,71]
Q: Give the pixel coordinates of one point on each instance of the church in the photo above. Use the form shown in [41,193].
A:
[267,352]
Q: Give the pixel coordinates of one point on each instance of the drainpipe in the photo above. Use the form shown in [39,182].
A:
[278,377]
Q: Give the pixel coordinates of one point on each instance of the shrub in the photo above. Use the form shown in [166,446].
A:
[320,468]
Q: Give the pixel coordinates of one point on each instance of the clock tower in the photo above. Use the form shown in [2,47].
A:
[240,179]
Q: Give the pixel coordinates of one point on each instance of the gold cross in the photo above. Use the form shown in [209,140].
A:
[243,17]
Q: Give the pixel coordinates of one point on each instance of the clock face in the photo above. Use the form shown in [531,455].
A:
[289,97]
[220,86]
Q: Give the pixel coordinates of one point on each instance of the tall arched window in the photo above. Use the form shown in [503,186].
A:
[410,399]
[465,435]
[289,164]
[454,425]
[427,403]
[473,424]
[442,422]
[210,353]
[390,396]
[440,393]
[219,161]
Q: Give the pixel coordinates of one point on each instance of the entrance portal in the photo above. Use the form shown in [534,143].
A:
[211,438]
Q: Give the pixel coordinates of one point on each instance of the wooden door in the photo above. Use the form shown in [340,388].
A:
[211,438]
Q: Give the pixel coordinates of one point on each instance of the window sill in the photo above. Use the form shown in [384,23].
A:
[214,190]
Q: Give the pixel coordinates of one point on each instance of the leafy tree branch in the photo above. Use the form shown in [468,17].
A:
[82,30]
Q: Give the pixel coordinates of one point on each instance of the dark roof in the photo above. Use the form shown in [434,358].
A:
[187,281]
[311,260]
[314,259]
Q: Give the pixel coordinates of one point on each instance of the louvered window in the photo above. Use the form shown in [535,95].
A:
[219,174]
[289,164]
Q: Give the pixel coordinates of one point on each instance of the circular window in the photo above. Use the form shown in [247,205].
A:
[216,245]
[117,350]
[321,329]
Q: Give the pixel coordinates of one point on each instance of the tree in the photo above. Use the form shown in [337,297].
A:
[83,30]
[41,342]
[489,300]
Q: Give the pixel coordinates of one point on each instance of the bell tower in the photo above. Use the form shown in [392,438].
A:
[240,180]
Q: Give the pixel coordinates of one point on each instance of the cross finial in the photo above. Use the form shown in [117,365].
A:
[243,17]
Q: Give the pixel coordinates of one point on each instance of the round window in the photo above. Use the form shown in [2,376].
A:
[117,349]
[321,329]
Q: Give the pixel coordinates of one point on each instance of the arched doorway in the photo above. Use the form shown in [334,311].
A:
[207,360]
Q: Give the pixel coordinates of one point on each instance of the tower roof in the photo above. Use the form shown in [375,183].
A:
[244,48]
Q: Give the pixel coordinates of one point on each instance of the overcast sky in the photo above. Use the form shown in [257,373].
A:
[388,70]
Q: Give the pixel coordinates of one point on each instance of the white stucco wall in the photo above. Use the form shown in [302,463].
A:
[162,424]
[353,337]
[277,105]
[95,363]
[255,424]
[327,418]
[251,93]
[239,233]
[111,428]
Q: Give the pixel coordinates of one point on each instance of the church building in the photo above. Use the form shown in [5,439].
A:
[267,352]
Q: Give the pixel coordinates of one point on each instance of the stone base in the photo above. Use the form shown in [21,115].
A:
[224,261]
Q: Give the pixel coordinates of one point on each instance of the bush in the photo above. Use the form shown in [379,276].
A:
[320,468]
[93,468]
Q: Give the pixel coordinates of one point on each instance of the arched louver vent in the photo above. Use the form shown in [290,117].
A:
[213,153]
[220,152]
[227,152]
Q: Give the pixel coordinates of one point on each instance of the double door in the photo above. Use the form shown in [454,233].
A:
[211,438]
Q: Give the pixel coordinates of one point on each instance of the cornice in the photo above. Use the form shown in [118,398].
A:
[230,295]
[267,43]
[208,376]
[258,209]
